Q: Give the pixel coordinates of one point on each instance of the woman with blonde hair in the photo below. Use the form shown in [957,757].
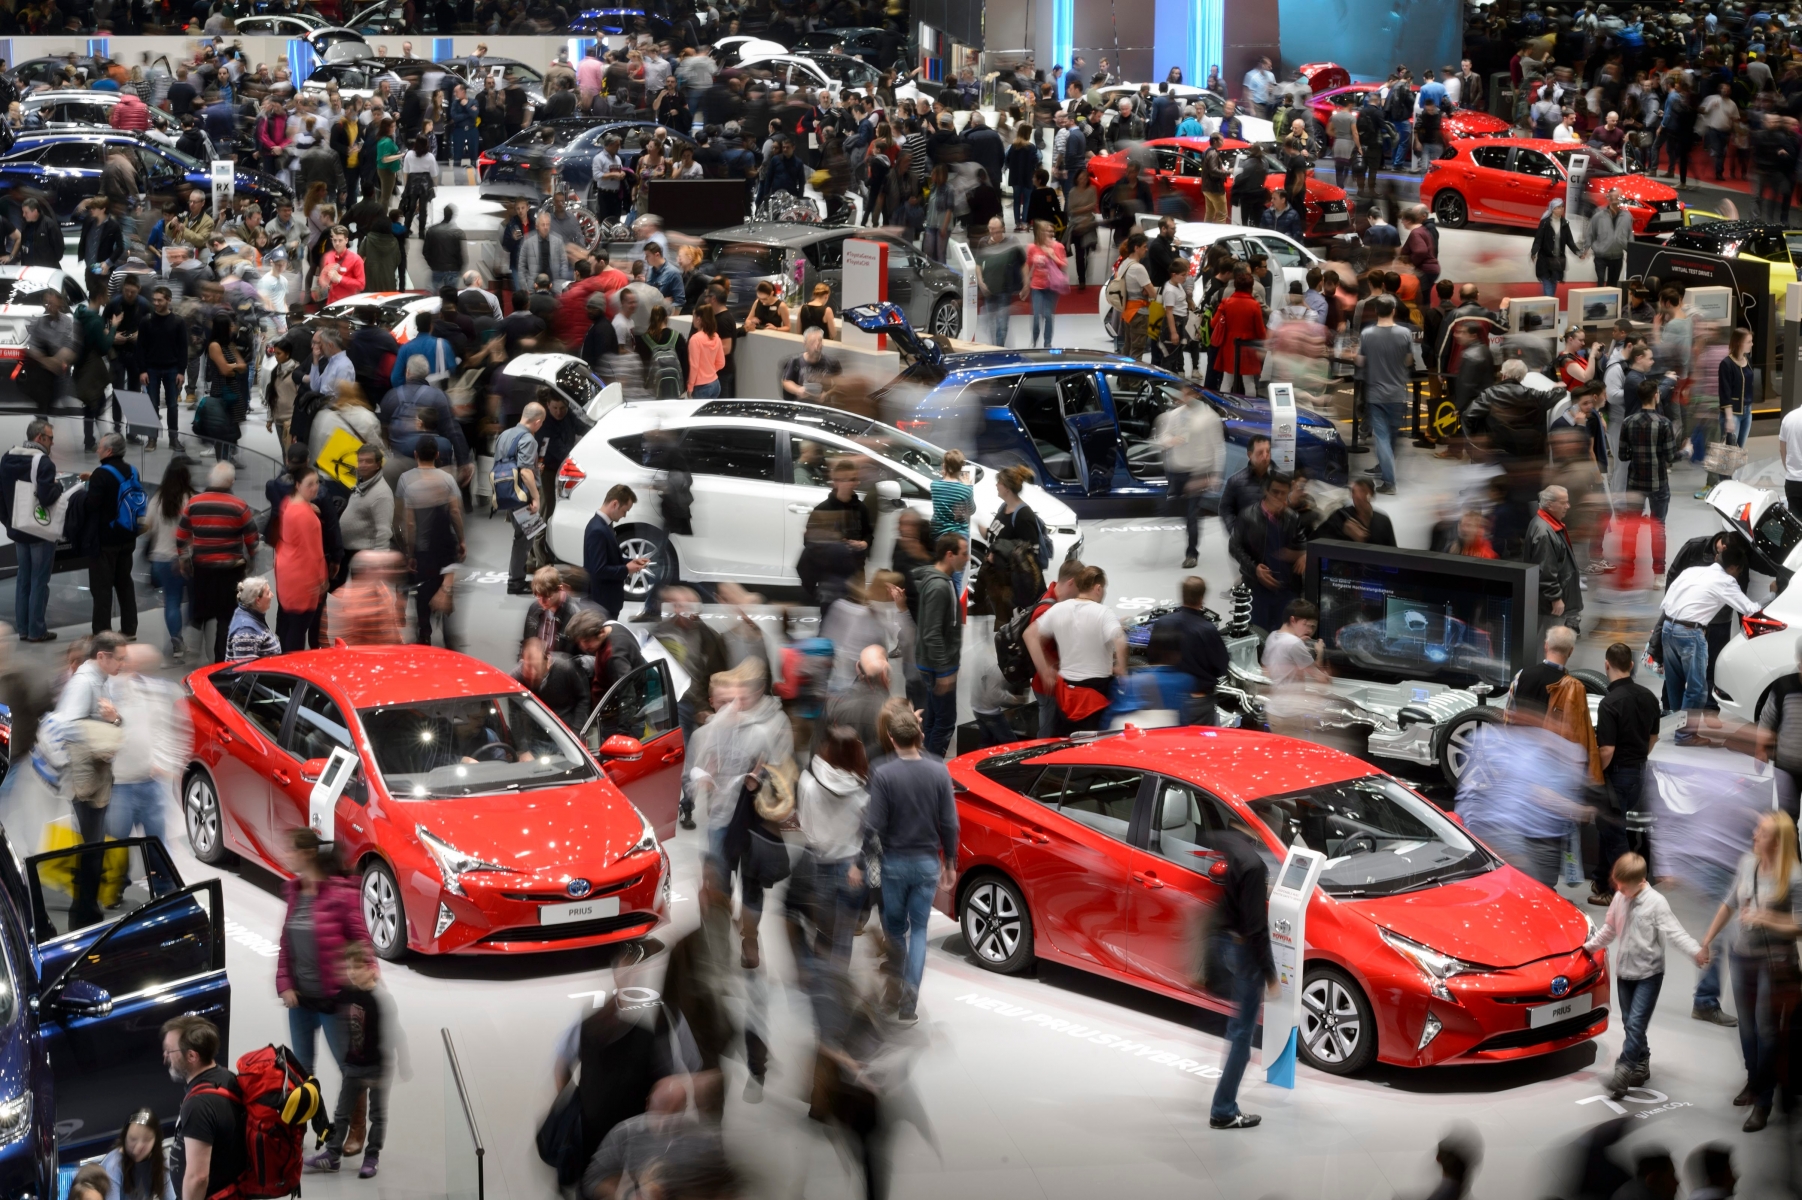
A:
[1766,896]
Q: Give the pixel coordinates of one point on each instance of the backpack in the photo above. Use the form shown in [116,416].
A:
[133,503]
[1115,292]
[1012,658]
[307,405]
[278,1099]
[508,493]
[663,372]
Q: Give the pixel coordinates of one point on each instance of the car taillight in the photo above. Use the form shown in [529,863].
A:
[915,426]
[1757,625]
[569,477]
[484,160]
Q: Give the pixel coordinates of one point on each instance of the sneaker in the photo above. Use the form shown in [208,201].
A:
[1385,489]
[177,651]
[1189,562]
[371,1163]
[1236,1121]
[325,1160]
[907,1016]
[1714,1015]
[1597,896]
[688,821]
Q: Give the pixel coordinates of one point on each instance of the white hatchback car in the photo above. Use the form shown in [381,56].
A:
[1772,536]
[1289,259]
[759,467]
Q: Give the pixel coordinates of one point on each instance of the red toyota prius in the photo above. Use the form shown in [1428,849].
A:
[1423,947]
[477,822]
[1176,164]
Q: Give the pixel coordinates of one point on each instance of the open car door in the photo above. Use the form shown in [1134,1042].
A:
[642,706]
[124,946]
[884,317]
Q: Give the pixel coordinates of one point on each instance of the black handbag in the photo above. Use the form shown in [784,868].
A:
[560,1136]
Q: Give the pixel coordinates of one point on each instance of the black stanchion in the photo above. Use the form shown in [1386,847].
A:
[1354,446]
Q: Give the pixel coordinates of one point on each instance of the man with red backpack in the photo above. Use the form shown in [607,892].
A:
[208,1154]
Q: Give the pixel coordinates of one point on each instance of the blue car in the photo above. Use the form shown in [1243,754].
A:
[617,22]
[65,165]
[567,146]
[1081,420]
[85,987]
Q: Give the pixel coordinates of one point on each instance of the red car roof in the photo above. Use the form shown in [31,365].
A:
[1235,764]
[371,676]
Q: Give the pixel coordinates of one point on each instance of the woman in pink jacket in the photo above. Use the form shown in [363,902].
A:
[300,571]
[323,916]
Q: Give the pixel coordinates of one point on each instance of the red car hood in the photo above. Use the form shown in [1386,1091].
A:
[1466,124]
[589,826]
[1633,187]
[1501,919]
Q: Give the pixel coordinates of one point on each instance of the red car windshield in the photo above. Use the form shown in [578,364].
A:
[1379,838]
[472,745]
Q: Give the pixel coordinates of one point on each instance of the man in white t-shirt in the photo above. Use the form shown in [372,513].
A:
[1091,652]
[1789,441]
[1289,653]
[1719,113]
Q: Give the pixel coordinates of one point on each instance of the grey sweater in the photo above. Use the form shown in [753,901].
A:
[1610,233]
[911,808]
[941,642]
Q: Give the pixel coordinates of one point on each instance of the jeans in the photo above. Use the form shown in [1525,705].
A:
[1637,998]
[1608,271]
[909,882]
[84,908]
[165,382]
[1022,196]
[444,279]
[1190,503]
[1047,716]
[1659,502]
[995,729]
[31,586]
[941,710]
[358,1080]
[1685,667]
[463,146]
[1715,882]
[136,804]
[705,391]
[1756,995]
[109,574]
[1548,286]
[1739,425]
[1716,141]
[1386,419]
[168,577]
[1404,142]
[303,1023]
[1044,308]
[1248,996]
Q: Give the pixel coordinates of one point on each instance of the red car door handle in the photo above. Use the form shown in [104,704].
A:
[1035,837]
[227,738]
[1147,878]
[281,777]
[673,756]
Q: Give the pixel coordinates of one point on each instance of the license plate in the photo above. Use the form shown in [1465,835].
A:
[1336,217]
[1564,1010]
[1667,218]
[581,910]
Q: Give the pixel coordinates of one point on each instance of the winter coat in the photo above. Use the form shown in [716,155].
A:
[1239,322]
[1548,249]
[730,746]
[337,920]
[831,804]
[381,261]
[1559,578]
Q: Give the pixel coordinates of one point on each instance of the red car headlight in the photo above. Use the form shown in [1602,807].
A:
[1431,963]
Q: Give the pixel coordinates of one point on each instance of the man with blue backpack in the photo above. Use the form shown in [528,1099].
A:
[114,512]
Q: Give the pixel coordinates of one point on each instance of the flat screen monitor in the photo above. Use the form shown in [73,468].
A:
[1411,614]
[1296,875]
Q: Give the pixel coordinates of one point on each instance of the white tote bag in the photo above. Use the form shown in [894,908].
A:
[31,519]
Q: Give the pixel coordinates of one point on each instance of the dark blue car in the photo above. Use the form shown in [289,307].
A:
[617,22]
[568,146]
[85,987]
[65,165]
[1082,420]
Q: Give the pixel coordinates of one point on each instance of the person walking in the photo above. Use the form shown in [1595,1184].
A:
[431,519]
[1767,898]
[115,496]
[1648,446]
[1552,241]
[1194,444]
[1520,794]
[1548,544]
[1269,546]
[1047,278]
[833,797]
[939,650]
[1234,360]
[913,816]
[370,1035]
[216,539]
[1091,653]
[1626,730]
[1386,356]
[34,530]
[1610,233]
[323,916]
[155,751]
[1641,922]
[207,1153]
[301,576]
[1242,927]
[1342,132]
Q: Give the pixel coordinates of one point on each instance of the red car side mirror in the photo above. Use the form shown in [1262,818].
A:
[312,769]
[630,749]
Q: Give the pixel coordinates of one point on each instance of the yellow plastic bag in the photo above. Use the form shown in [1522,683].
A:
[338,457]
[58,874]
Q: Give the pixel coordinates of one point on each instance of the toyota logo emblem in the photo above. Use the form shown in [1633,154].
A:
[1560,987]
[579,888]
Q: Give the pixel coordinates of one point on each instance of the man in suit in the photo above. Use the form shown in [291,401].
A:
[607,566]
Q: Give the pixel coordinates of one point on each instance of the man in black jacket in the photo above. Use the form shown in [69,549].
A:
[1548,544]
[983,147]
[34,541]
[1242,923]
[1245,487]
[108,543]
[1249,188]
[442,248]
[607,566]
[1203,656]
[1358,521]
[1269,546]
[162,357]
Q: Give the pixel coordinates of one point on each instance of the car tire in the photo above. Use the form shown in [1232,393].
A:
[1594,682]
[1331,1005]
[996,924]
[642,540]
[947,318]
[1451,744]
[1450,209]
[384,914]
[204,819]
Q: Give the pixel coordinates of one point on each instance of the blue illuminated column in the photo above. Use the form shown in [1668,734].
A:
[1207,41]
[1188,34]
[302,60]
[1063,33]
[97,47]
[444,49]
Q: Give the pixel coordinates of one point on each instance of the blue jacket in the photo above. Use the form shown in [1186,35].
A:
[398,413]
[427,346]
[605,564]
[668,280]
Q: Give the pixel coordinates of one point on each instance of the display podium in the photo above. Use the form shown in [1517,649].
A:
[1282,426]
[1295,884]
[322,802]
